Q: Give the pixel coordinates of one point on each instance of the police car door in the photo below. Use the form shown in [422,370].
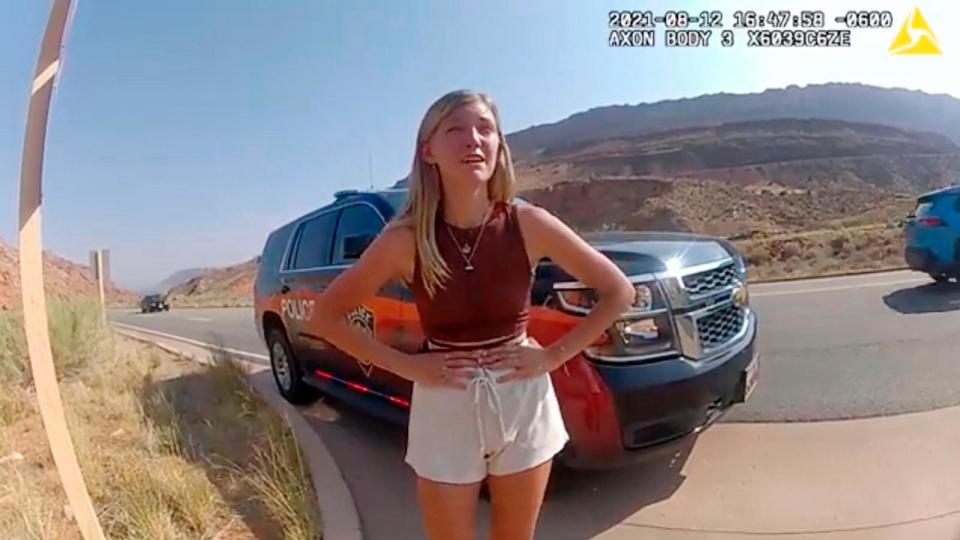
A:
[303,277]
[358,225]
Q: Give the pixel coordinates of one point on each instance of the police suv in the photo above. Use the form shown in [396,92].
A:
[673,364]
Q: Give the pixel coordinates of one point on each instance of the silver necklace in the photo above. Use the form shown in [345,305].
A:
[467,252]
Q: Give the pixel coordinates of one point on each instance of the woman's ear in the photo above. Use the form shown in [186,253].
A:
[426,155]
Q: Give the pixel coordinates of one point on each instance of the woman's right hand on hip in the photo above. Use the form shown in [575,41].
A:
[450,369]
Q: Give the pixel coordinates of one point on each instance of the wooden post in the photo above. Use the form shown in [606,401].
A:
[100,287]
[35,324]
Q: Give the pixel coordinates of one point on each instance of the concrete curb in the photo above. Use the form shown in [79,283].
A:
[339,517]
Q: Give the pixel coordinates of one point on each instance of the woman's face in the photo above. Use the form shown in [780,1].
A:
[465,144]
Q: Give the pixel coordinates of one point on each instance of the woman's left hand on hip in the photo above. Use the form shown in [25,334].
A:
[521,361]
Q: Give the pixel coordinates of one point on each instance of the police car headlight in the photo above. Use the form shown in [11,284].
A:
[633,340]
[644,332]
[575,298]
[642,298]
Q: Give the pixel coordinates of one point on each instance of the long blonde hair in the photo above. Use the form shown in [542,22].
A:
[426,189]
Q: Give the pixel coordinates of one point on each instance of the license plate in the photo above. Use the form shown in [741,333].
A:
[751,378]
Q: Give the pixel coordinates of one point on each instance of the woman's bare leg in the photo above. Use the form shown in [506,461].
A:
[448,510]
[515,501]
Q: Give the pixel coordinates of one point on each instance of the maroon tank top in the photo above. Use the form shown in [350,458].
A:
[490,301]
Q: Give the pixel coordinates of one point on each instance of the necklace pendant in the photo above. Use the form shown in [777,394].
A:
[469,267]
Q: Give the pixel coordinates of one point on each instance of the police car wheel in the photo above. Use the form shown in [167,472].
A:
[286,370]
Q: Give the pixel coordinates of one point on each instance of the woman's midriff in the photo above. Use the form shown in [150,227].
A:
[436,344]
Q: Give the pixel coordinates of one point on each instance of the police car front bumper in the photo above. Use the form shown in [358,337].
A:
[659,406]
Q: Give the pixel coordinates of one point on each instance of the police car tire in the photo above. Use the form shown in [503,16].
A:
[299,393]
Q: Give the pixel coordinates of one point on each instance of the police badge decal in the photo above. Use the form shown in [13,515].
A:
[362,318]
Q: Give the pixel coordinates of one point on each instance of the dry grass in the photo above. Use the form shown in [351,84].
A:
[821,253]
[277,479]
[248,432]
[169,449]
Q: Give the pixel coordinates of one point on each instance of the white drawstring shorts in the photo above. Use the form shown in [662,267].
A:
[460,436]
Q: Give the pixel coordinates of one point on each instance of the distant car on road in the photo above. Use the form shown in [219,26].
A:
[933,234]
[680,357]
[154,302]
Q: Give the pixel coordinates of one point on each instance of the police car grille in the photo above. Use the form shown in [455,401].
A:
[710,280]
[719,327]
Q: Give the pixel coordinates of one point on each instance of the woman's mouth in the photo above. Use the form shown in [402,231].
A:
[473,160]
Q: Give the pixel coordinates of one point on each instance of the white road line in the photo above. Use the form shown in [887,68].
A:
[839,287]
[193,342]
[198,319]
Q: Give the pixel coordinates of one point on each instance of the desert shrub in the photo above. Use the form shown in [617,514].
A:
[790,250]
[837,244]
[13,350]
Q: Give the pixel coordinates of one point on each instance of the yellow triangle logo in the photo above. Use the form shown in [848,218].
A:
[915,37]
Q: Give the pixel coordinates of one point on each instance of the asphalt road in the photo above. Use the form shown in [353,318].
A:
[839,348]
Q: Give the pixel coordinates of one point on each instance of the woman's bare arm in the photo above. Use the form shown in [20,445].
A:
[388,257]
[548,236]
[381,262]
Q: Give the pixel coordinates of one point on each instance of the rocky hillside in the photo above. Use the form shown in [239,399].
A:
[809,168]
[62,278]
[228,286]
[738,178]
[907,109]
[177,278]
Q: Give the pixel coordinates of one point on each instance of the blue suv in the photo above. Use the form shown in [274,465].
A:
[933,234]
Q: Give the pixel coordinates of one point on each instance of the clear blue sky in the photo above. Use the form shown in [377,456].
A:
[184,130]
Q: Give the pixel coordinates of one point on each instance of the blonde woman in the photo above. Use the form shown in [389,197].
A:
[483,406]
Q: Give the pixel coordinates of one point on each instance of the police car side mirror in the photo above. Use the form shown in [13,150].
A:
[354,246]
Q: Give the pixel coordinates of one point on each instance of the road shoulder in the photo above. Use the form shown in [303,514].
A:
[338,509]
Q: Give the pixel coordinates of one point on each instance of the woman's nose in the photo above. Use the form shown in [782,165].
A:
[474,138]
